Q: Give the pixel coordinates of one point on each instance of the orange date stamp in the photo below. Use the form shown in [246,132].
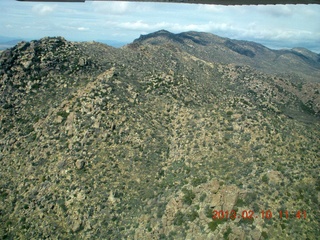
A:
[250,214]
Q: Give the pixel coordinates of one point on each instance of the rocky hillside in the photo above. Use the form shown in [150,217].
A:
[152,141]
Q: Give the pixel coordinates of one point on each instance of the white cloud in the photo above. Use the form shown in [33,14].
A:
[42,9]
[71,28]
[137,25]
[111,7]
[25,27]
[143,26]
[82,29]
[206,27]
[119,8]
[210,8]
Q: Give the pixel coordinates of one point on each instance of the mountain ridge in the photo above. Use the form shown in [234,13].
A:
[216,49]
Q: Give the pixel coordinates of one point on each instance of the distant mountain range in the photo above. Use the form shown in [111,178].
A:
[7,42]
[300,63]
[174,136]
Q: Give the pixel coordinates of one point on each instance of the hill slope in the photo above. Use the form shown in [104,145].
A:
[146,141]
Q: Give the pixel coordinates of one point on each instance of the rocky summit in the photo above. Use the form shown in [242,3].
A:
[174,136]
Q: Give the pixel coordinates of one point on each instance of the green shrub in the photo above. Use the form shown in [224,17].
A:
[191,216]
[198,180]
[246,220]
[229,113]
[250,197]
[227,233]
[63,114]
[264,234]
[255,207]
[188,196]
[240,202]
[208,211]
[246,136]
[178,218]
[265,178]
[161,209]
[215,223]
[318,184]
[162,236]
[61,203]
[203,197]
[307,107]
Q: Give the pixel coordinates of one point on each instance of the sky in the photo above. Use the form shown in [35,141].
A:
[280,26]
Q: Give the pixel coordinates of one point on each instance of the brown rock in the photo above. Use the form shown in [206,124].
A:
[80,164]
[216,200]
[275,177]
[229,197]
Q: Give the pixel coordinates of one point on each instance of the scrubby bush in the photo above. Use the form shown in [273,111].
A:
[188,196]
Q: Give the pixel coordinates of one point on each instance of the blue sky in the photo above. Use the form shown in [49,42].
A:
[281,26]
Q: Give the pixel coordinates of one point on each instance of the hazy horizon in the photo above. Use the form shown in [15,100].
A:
[275,26]
[117,44]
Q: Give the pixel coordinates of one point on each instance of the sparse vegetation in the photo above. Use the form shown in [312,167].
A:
[188,196]
[265,178]
[215,223]
[227,233]
[143,142]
